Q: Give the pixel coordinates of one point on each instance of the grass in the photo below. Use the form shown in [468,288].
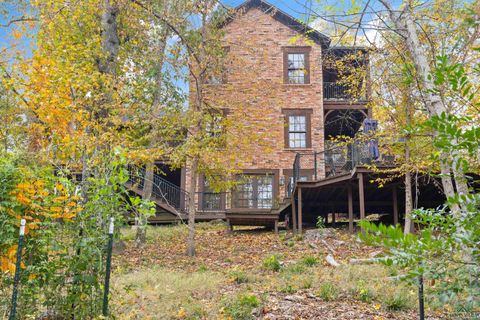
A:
[328,291]
[231,273]
[241,306]
[138,295]
[272,263]
[156,233]
[240,277]
[310,261]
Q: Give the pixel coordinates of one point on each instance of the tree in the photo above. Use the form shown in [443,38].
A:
[212,143]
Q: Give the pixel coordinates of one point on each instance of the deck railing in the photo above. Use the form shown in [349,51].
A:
[339,159]
[341,91]
[163,190]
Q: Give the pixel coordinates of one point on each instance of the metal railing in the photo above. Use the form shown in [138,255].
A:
[163,190]
[341,91]
[339,159]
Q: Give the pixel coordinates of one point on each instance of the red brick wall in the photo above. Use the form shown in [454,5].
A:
[255,41]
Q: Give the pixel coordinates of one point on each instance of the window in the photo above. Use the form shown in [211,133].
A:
[211,200]
[296,65]
[219,76]
[214,125]
[256,191]
[297,132]
[297,128]
[296,68]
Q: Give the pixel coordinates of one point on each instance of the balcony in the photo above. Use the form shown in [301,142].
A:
[342,92]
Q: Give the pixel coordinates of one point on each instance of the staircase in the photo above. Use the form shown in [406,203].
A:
[171,200]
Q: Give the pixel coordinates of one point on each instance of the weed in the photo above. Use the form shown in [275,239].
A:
[307,283]
[398,300]
[363,292]
[295,268]
[241,277]
[202,268]
[310,261]
[272,263]
[328,291]
[241,307]
[320,223]
[289,289]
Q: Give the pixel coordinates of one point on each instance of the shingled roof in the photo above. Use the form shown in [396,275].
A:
[284,18]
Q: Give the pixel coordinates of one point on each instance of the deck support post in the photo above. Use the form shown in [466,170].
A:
[361,195]
[229,227]
[275,226]
[395,205]
[300,219]
[294,215]
[350,208]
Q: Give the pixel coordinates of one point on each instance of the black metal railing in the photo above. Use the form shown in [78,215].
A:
[336,159]
[163,190]
[341,91]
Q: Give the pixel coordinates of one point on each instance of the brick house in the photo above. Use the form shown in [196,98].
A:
[301,178]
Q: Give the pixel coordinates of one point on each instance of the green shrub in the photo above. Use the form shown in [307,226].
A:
[241,277]
[396,301]
[288,289]
[241,307]
[365,295]
[310,261]
[328,292]
[295,268]
[307,283]
[320,223]
[272,263]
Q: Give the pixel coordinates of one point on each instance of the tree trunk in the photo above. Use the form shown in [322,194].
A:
[191,208]
[110,40]
[408,228]
[408,199]
[405,25]
[141,235]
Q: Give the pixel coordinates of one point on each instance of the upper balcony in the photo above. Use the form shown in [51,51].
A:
[335,91]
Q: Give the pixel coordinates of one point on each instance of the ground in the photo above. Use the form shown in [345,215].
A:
[255,274]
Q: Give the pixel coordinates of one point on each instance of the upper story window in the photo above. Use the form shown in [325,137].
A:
[296,65]
[219,74]
[297,128]
[297,132]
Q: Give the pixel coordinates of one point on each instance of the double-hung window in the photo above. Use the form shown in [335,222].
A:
[297,131]
[297,128]
[296,65]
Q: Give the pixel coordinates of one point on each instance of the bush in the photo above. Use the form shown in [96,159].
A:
[241,307]
[241,277]
[328,292]
[295,268]
[310,261]
[396,301]
[272,263]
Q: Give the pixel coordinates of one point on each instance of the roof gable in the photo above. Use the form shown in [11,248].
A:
[284,18]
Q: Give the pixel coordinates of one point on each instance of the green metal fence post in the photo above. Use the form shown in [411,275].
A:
[108,267]
[16,279]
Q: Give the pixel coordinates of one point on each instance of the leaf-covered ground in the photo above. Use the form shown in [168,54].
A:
[254,274]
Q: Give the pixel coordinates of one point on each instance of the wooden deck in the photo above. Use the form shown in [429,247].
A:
[355,194]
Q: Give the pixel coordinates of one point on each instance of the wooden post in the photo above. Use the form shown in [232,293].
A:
[350,208]
[276,226]
[333,218]
[395,205]
[294,215]
[300,219]
[361,195]
[229,227]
